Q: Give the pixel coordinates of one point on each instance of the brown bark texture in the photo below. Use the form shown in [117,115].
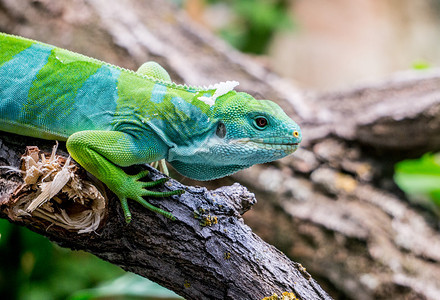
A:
[332,206]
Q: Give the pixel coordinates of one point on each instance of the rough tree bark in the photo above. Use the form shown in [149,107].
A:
[332,206]
[207,253]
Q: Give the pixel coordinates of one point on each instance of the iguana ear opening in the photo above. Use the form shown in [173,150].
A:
[221,130]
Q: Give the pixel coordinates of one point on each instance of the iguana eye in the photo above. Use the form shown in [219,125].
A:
[221,130]
[260,122]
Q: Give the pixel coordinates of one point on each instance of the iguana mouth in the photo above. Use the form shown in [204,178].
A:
[271,143]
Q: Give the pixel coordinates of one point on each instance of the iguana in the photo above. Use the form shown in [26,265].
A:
[112,117]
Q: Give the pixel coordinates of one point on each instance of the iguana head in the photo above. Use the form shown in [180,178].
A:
[254,131]
[245,132]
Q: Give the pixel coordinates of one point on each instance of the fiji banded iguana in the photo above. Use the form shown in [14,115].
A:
[112,117]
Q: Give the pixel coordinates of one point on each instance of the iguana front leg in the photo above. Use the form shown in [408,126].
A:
[154,70]
[103,152]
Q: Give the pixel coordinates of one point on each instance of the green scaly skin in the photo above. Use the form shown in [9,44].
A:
[112,118]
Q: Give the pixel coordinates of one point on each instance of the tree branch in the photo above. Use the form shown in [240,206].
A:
[207,246]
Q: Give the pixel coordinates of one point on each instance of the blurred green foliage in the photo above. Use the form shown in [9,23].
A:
[33,268]
[254,23]
[420,180]
[421,64]
[128,286]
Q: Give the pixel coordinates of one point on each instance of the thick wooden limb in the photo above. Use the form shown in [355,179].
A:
[400,114]
[207,253]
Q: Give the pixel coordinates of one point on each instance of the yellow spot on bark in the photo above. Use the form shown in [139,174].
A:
[187,284]
[284,296]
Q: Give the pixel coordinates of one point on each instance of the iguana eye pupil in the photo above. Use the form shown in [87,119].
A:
[261,122]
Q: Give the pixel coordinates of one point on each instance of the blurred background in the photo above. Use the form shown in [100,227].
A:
[319,45]
[328,45]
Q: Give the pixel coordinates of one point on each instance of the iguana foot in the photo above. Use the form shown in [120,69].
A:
[135,189]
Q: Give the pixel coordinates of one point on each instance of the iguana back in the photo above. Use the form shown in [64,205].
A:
[51,93]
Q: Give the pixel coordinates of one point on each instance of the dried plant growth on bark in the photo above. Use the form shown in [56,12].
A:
[53,191]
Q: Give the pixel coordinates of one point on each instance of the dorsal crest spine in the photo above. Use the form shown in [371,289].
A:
[221,89]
